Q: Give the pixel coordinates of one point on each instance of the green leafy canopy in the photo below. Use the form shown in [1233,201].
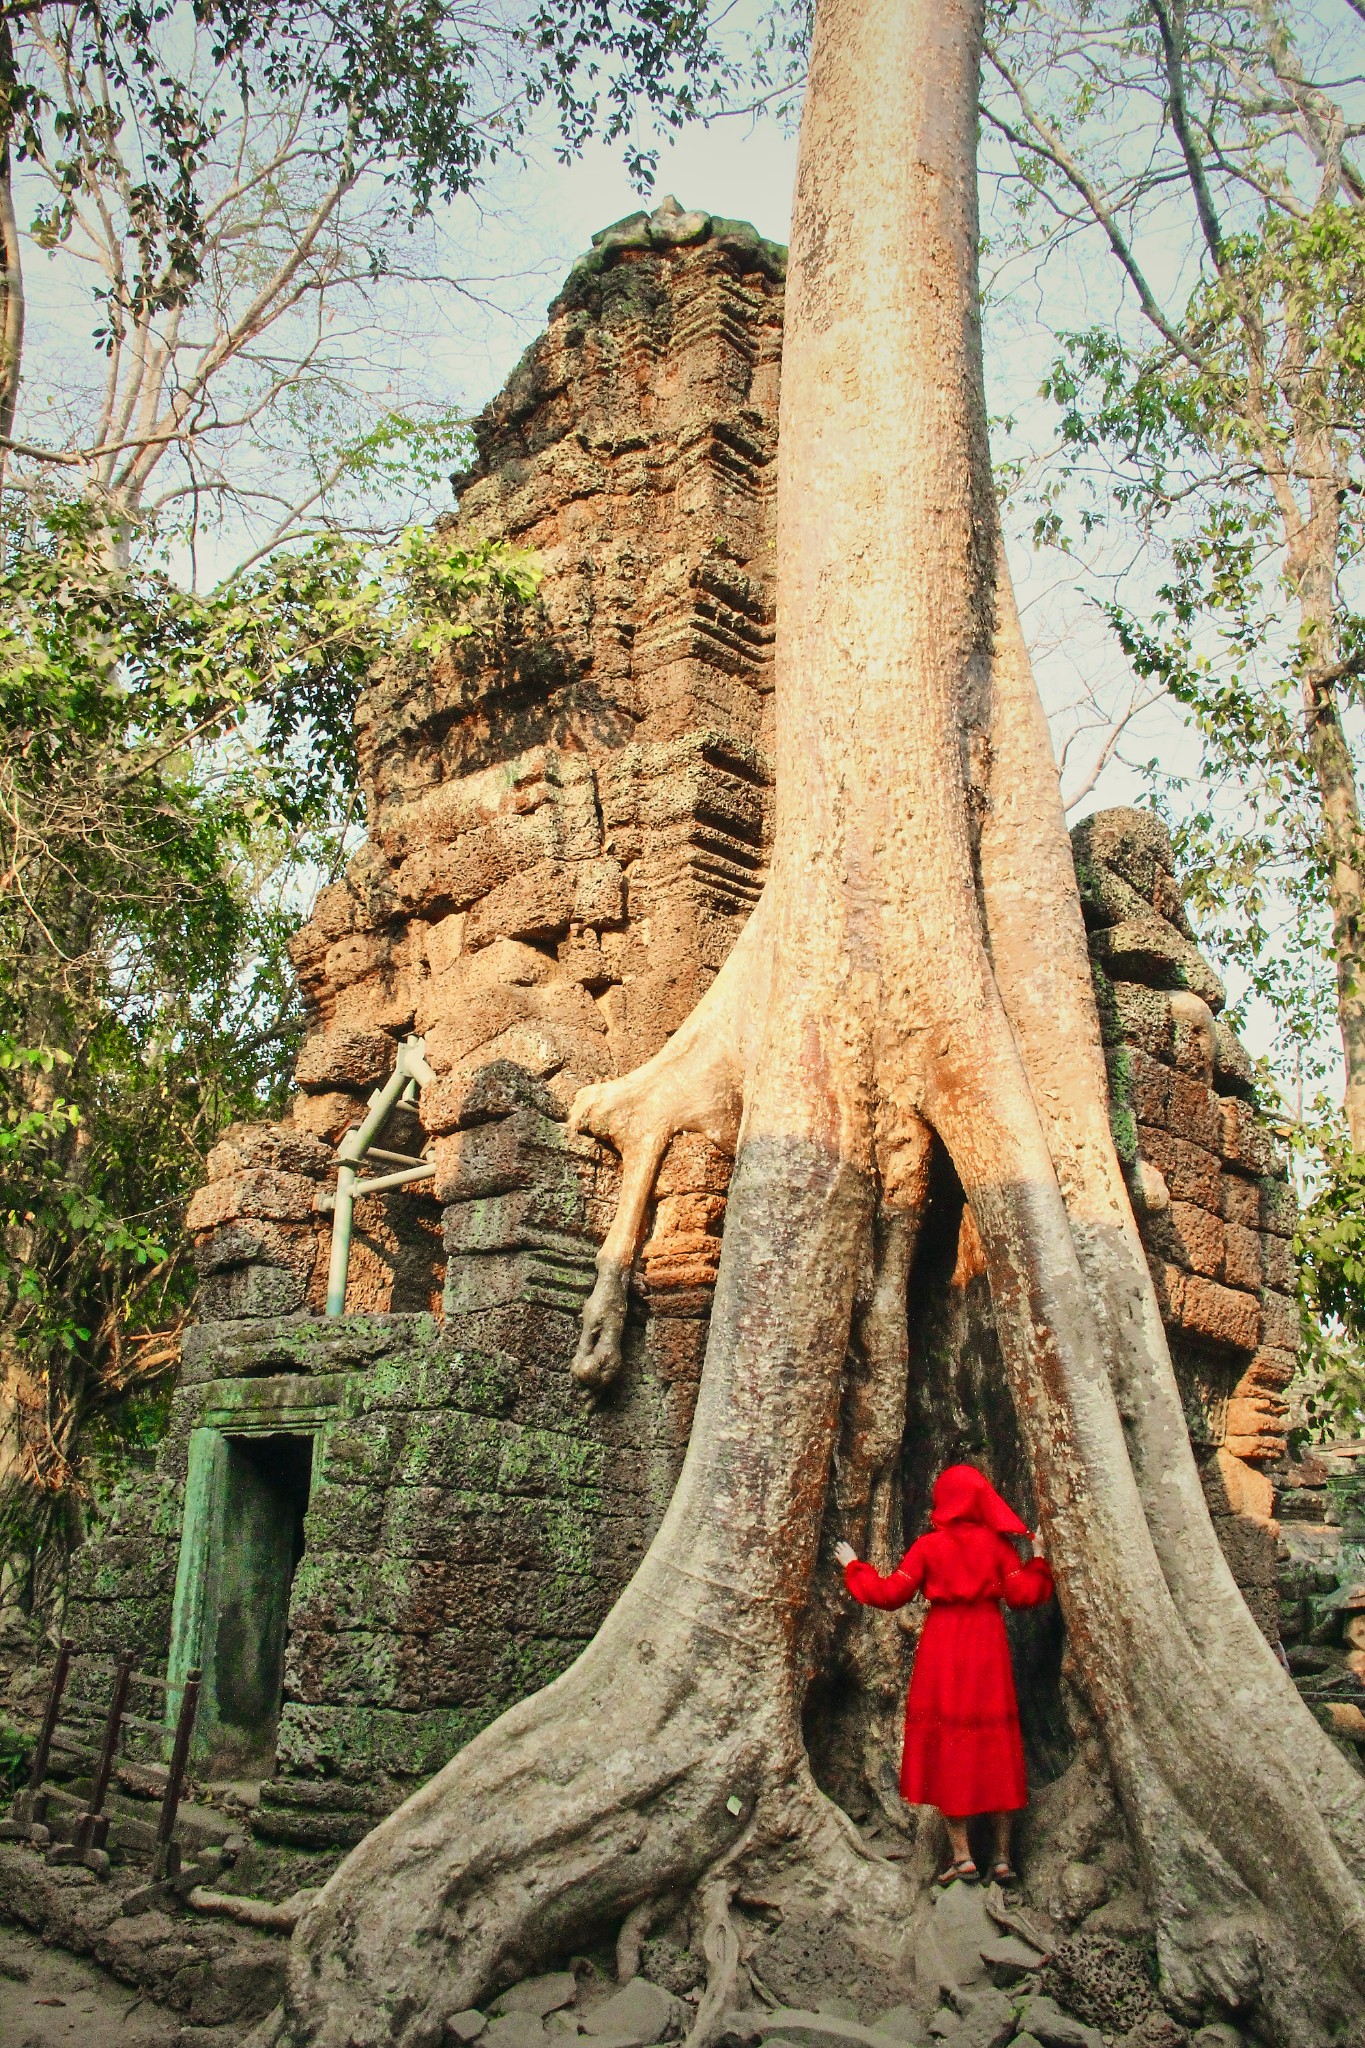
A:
[177,773]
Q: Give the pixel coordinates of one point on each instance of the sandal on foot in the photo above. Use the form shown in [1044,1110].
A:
[1004,1873]
[963,1868]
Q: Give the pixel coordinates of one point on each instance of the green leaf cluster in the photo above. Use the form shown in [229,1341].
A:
[177,779]
[1329,1390]
[1331,1243]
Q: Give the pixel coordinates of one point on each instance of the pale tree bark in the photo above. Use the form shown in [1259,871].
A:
[1312,548]
[11,255]
[1308,497]
[915,969]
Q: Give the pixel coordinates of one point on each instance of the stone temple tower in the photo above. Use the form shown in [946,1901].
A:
[376,1530]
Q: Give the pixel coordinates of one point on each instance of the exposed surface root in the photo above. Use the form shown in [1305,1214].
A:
[673,1742]
[720,1946]
[530,1863]
[859,1733]
[859,1916]
[693,1083]
[631,1939]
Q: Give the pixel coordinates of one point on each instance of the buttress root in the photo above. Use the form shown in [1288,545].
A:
[696,1082]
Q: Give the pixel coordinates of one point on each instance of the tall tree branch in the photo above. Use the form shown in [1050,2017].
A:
[1319,122]
[1170,21]
[1044,141]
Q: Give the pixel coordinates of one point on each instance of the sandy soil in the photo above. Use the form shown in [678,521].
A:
[49,1999]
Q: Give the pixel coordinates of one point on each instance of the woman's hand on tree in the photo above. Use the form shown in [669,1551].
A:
[1037,1546]
[845,1553]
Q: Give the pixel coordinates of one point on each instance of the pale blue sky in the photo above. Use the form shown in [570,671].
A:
[521,238]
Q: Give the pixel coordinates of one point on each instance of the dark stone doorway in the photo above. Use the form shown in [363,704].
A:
[266,1481]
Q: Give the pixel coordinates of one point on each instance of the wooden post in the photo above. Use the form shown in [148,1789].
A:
[30,1806]
[166,1861]
[92,1826]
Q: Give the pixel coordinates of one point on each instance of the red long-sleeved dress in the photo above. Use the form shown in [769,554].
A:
[963,1750]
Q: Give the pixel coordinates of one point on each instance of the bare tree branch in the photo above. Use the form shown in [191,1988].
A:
[1044,140]
[1170,21]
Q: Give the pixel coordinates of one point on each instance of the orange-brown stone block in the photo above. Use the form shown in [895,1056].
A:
[1242,1257]
[1150,1087]
[328,1116]
[381,1002]
[1268,1370]
[1248,1493]
[1194,1113]
[1280,1321]
[1219,1315]
[287,1197]
[354,1058]
[539,904]
[693,1165]
[1191,1173]
[1247,1144]
[1198,1239]
[1278,1263]
[1241,1201]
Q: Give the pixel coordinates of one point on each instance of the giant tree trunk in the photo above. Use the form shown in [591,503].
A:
[916,966]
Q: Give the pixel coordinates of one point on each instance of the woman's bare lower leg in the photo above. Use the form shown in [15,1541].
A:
[959,1848]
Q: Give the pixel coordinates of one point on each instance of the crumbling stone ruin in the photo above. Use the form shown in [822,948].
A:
[1320,1505]
[376,1531]
[567,831]
[1216,1209]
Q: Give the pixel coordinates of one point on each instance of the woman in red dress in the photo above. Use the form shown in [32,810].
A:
[963,1750]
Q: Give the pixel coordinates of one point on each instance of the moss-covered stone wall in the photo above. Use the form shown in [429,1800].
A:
[471,1520]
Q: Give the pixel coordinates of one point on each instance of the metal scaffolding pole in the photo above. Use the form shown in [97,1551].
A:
[410,1073]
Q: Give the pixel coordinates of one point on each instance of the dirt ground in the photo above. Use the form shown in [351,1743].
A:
[49,1999]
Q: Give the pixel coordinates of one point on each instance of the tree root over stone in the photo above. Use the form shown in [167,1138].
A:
[916,965]
[668,1756]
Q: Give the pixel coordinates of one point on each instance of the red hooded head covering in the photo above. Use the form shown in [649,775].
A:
[962,1494]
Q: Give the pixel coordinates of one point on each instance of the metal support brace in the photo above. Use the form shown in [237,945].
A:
[410,1073]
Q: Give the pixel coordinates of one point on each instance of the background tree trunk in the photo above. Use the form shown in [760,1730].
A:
[11,255]
[892,984]
[1312,547]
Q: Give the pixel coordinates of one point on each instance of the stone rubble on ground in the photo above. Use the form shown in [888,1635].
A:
[466,2027]
[515,2030]
[963,1945]
[984,2019]
[1008,1959]
[209,1972]
[636,2016]
[1158,2030]
[1104,1981]
[903,2024]
[959,1929]
[1044,2018]
[538,1996]
[811,2029]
